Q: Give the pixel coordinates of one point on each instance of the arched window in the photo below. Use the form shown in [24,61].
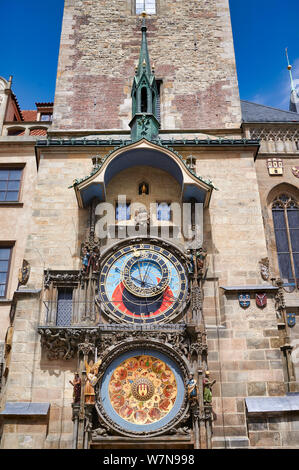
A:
[285,211]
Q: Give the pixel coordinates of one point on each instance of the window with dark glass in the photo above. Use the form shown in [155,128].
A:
[163,211]
[10,181]
[285,212]
[123,211]
[149,6]
[5,254]
[64,307]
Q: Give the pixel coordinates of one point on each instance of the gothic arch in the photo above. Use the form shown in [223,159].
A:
[282,188]
[291,193]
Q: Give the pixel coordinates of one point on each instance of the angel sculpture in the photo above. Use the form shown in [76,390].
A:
[91,380]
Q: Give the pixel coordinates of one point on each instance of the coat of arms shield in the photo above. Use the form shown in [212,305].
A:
[244,300]
[261,300]
[291,319]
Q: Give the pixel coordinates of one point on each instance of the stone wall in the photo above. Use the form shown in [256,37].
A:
[190,44]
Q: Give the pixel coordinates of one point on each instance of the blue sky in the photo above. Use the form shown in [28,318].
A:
[262,29]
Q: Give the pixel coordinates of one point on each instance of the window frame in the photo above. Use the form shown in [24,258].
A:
[69,302]
[10,167]
[283,205]
[158,203]
[128,204]
[144,9]
[6,246]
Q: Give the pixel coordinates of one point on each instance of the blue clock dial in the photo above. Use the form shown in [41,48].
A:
[142,283]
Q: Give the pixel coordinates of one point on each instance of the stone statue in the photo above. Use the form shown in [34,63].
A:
[91,381]
[76,383]
[207,388]
[142,217]
[192,388]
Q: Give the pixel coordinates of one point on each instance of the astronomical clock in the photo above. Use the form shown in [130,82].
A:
[143,387]
[142,283]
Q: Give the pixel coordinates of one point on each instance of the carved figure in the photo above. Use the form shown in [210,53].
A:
[190,262]
[85,260]
[192,388]
[201,255]
[91,381]
[207,387]
[264,268]
[76,383]
[24,273]
[142,217]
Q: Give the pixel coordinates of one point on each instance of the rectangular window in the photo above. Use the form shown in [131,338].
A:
[163,211]
[123,211]
[10,181]
[149,6]
[64,307]
[5,255]
[46,117]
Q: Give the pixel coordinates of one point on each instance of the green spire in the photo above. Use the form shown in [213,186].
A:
[144,94]
[144,60]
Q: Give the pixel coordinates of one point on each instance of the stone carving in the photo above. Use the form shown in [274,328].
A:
[100,432]
[264,268]
[65,277]
[62,343]
[279,298]
[142,218]
[274,134]
[24,273]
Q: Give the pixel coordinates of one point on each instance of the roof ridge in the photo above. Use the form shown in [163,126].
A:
[270,107]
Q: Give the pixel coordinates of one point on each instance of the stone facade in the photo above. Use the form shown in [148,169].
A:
[99,51]
[202,155]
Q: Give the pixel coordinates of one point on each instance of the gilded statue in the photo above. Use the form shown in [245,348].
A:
[92,378]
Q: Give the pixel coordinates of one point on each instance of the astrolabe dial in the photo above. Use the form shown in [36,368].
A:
[142,283]
[145,274]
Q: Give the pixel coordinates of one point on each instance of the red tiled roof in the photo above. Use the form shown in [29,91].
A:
[38,132]
[44,105]
[29,115]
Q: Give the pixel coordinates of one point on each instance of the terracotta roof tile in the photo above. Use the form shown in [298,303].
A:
[38,132]
[29,115]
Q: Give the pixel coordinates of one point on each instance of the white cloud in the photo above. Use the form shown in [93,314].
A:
[279,95]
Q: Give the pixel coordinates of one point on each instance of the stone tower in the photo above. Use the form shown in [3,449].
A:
[191,47]
[145,245]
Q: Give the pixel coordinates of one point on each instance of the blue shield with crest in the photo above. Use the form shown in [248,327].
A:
[244,300]
[291,319]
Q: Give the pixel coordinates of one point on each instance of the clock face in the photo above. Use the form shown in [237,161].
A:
[142,284]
